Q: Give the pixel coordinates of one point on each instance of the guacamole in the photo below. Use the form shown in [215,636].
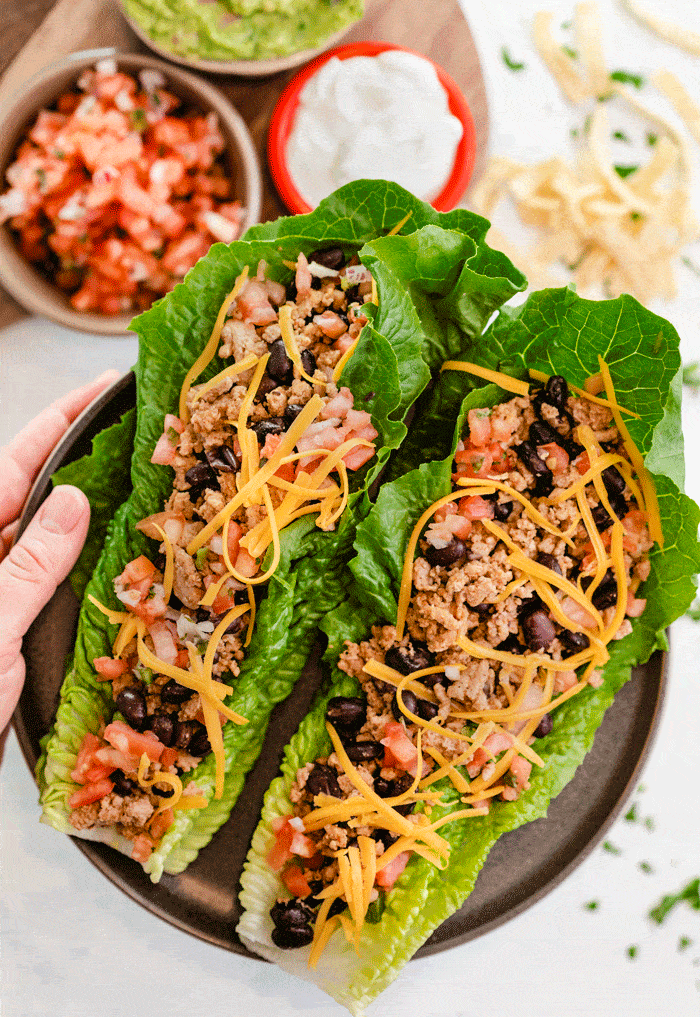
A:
[241,29]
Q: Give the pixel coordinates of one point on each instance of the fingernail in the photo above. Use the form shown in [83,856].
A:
[62,510]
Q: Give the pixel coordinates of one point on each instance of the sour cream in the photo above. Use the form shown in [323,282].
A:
[382,117]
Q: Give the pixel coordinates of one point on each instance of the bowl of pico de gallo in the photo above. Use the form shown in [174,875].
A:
[119,171]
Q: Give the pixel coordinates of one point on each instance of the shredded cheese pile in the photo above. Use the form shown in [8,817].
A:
[614,235]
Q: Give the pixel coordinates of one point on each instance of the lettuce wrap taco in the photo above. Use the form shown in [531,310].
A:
[531,550]
[272,386]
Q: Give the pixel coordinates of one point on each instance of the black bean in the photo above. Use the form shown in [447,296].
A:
[323,780]
[132,703]
[330,257]
[202,475]
[163,727]
[502,511]
[527,454]
[173,692]
[223,459]
[384,788]
[293,937]
[347,713]
[401,784]
[384,836]
[267,385]
[166,792]
[410,658]
[601,517]
[316,283]
[557,391]
[291,290]
[272,425]
[605,595]
[447,555]
[574,642]
[352,295]
[544,727]
[549,562]
[159,560]
[199,743]
[288,913]
[185,731]
[529,606]
[409,701]
[426,710]
[292,412]
[362,752]
[511,644]
[482,610]
[542,433]
[337,907]
[308,362]
[613,480]
[123,785]
[279,365]
[538,630]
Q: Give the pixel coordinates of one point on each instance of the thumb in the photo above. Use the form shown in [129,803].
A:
[29,575]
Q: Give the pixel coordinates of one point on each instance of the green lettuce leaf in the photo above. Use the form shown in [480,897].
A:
[557,332]
[389,370]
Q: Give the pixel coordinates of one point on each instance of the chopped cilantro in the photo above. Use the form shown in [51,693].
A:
[41,177]
[151,593]
[632,952]
[631,814]
[650,824]
[684,942]
[592,905]
[627,78]
[652,138]
[200,558]
[570,52]
[636,216]
[587,124]
[574,132]
[512,65]
[144,673]
[691,265]
[641,789]
[621,136]
[690,374]
[565,26]
[155,99]
[689,893]
[137,119]
[510,779]
[605,97]
[646,867]
[610,848]
[58,154]
[172,434]
[625,171]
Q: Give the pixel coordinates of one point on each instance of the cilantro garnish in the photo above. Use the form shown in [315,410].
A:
[684,942]
[592,905]
[172,434]
[621,136]
[691,265]
[137,119]
[646,867]
[625,171]
[41,177]
[572,53]
[632,952]
[200,558]
[652,138]
[631,814]
[512,65]
[627,78]
[610,848]
[689,893]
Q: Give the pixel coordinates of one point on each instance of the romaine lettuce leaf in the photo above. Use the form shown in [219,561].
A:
[557,332]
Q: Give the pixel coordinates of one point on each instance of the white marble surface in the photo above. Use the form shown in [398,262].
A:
[73,945]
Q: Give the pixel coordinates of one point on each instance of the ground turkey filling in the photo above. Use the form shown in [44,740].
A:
[460,574]
[325,300]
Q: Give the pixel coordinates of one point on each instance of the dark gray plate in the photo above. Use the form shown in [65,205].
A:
[522,867]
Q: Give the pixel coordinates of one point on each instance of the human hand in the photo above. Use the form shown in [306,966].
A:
[47,550]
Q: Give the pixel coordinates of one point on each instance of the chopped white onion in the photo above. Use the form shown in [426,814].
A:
[357,274]
[150,80]
[451,673]
[220,227]
[108,66]
[321,271]
[216,544]
[123,101]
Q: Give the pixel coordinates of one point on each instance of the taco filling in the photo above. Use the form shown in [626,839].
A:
[513,586]
[268,439]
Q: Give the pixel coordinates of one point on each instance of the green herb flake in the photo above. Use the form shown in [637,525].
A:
[592,905]
[650,824]
[611,848]
[59,154]
[200,558]
[574,132]
[145,674]
[172,435]
[512,65]
[587,123]
[632,952]
[627,78]
[646,867]
[41,177]
[689,893]
[137,119]
[605,96]
[636,216]
[621,136]
[625,171]
[683,943]
[641,789]
[565,26]
[631,814]
[570,52]
[691,265]
[652,138]
[690,374]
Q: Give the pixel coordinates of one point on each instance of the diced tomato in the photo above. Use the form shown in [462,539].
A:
[85,758]
[331,324]
[357,457]
[164,644]
[150,611]
[286,472]
[245,565]
[302,279]
[302,845]
[254,304]
[133,743]
[138,569]
[224,600]
[474,462]
[162,822]
[164,452]
[116,760]
[448,509]
[169,757]
[476,508]
[142,849]
[479,427]
[344,343]
[583,463]
[387,876]
[98,772]
[110,667]
[90,793]
[235,532]
[400,752]
[521,769]
[271,445]
[295,881]
[280,853]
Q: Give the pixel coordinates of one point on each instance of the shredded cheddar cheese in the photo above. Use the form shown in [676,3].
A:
[504,381]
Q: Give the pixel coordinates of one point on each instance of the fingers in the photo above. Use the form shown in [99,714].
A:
[21,460]
[29,575]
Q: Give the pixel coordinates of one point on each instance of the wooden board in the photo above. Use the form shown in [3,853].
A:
[34,33]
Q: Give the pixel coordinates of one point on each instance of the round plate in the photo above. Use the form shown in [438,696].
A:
[522,867]
[283,120]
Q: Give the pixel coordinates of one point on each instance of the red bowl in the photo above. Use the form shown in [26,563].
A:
[285,111]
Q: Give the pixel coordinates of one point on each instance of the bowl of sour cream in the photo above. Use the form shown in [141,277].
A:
[371,110]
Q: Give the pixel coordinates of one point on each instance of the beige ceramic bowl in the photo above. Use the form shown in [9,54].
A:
[17,275]
[244,68]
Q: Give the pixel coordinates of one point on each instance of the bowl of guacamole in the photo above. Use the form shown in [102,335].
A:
[249,37]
